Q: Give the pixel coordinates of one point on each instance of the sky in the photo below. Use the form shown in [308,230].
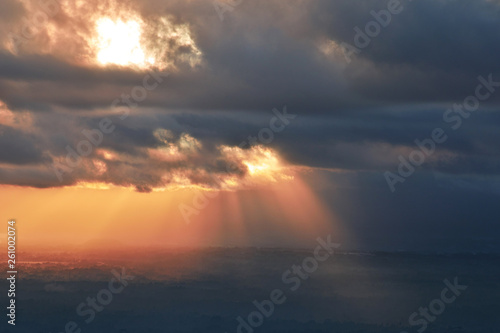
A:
[251,123]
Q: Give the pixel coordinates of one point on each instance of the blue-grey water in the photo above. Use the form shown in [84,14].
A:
[207,290]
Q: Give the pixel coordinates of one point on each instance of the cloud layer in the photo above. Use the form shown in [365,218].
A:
[224,77]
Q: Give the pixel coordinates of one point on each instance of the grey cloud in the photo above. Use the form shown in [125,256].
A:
[352,116]
[19,148]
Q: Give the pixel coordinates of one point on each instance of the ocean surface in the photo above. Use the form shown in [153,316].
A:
[208,290]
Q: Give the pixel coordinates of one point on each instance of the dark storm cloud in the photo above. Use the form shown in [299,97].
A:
[431,51]
[357,117]
[450,36]
[19,148]
[46,68]
[268,52]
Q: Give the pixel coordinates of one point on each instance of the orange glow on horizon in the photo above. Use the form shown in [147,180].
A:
[71,218]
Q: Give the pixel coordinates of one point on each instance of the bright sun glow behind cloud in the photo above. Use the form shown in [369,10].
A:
[119,43]
[111,33]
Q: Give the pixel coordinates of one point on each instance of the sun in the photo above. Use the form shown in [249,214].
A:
[119,43]
[263,162]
